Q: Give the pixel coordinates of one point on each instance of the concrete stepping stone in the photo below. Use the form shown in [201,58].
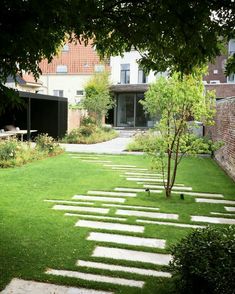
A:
[107,193]
[96,216]
[129,168]
[96,161]
[69,202]
[213,220]
[136,190]
[96,278]
[132,255]
[18,286]
[84,157]
[147,214]
[120,165]
[143,221]
[142,174]
[97,198]
[214,201]
[120,268]
[199,194]
[174,188]
[127,240]
[131,206]
[109,226]
[81,208]
[232,209]
[220,213]
[144,179]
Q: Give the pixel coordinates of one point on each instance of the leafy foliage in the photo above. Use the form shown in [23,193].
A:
[47,144]
[203,262]
[97,99]
[177,101]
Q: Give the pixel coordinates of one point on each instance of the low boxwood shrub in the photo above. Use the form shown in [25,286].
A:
[204,262]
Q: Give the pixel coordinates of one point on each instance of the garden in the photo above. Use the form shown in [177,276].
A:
[35,239]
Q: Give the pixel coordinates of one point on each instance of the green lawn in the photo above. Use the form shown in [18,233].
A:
[33,237]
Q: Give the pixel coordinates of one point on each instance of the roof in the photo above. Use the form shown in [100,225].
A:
[222,90]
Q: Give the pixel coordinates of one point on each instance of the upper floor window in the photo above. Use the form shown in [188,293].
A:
[231,78]
[65,48]
[125,73]
[80,93]
[61,68]
[59,93]
[231,47]
[142,78]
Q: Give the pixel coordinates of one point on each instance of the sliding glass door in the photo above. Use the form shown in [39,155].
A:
[129,111]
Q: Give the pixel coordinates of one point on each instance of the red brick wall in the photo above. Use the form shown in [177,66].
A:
[74,119]
[224,130]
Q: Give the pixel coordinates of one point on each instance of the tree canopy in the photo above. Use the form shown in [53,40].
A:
[173,34]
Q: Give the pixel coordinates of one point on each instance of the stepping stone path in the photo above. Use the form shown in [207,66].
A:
[225,214]
[127,240]
[232,209]
[80,208]
[147,214]
[96,198]
[215,201]
[96,278]
[107,193]
[99,220]
[120,268]
[110,226]
[18,286]
[213,220]
[95,216]
[133,255]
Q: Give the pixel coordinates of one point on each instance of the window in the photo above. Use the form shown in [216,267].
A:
[125,73]
[231,47]
[142,78]
[59,93]
[99,68]
[231,78]
[79,93]
[65,48]
[214,82]
[215,71]
[61,69]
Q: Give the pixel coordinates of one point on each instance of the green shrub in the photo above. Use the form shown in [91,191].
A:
[143,142]
[8,149]
[47,144]
[204,262]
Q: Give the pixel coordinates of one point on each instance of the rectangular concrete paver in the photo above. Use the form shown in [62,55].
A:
[96,161]
[214,201]
[199,194]
[69,202]
[136,190]
[96,278]
[101,217]
[96,198]
[132,255]
[142,174]
[107,193]
[120,165]
[224,214]
[228,208]
[213,220]
[129,168]
[127,240]
[120,268]
[143,221]
[131,206]
[81,208]
[147,214]
[18,286]
[110,226]
[144,180]
[174,188]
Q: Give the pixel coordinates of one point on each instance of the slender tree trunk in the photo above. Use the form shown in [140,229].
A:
[168,183]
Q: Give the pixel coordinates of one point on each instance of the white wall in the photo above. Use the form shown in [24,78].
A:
[128,58]
[67,82]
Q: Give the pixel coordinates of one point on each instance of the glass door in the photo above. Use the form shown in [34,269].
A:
[126,110]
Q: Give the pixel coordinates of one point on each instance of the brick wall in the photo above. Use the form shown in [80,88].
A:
[74,119]
[224,130]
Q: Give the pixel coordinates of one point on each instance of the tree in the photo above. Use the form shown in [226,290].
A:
[97,99]
[177,101]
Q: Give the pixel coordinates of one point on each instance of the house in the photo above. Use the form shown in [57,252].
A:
[70,70]
[129,82]
[26,83]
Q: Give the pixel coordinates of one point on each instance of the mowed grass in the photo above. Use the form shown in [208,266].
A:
[33,237]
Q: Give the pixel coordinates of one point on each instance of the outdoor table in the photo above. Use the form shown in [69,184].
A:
[21,133]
